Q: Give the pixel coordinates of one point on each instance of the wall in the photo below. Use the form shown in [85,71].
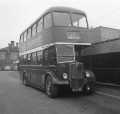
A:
[100,33]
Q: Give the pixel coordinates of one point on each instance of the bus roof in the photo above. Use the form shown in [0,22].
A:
[64,9]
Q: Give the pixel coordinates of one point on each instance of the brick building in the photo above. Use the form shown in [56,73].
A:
[9,55]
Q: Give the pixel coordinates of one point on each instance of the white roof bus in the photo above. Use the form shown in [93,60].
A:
[50,52]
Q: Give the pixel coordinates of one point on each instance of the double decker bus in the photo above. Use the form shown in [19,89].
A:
[50,52]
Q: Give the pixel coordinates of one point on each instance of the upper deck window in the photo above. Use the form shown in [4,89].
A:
[47,21]
[79,20]
[29,33]
[40,25]
[34,30]
[61,19]
[25,36]
[21,38]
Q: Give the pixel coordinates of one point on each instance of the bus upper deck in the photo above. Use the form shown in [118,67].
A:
[56,25]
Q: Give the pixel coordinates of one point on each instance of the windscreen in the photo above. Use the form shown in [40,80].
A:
[68,19]
[65,53]
[79,20]
[61,19]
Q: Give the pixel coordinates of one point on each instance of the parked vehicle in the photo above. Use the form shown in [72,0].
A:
[50,52]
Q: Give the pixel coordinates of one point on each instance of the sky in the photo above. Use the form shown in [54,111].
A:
[17,15]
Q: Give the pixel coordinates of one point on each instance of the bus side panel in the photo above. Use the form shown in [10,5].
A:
[42,38]
[37,76]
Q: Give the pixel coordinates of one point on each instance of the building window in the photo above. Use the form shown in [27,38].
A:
[40,25]
[47,21]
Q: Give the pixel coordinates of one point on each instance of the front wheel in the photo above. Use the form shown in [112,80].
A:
[88,89]
[51,89]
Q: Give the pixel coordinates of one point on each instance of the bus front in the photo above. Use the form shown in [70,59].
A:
[70,31]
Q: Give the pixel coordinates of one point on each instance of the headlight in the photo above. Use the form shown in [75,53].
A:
[87,74]
[65,76]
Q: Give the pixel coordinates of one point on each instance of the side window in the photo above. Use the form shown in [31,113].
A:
[34,30]
[21,38]
[50,55]
[25,36]
[40,57]
[47,21]
[29,58]
[40,25]
[21,59]
[46,56]
[25,59]
[34,58]
[29,33]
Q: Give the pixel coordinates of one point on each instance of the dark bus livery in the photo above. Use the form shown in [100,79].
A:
[50,52]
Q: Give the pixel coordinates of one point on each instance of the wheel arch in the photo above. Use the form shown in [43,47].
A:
[52,75]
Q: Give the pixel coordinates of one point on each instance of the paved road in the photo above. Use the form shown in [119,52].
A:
[15,98]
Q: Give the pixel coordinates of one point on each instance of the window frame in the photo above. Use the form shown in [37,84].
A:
[29,55]
[25,36]
[29,30]
[21,38]
[25,59]
[62,12]
[40,61]
[34,29]
[44,20]
[84,17]
[34,60]
[37,30]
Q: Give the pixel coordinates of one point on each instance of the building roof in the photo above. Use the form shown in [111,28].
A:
[103,27]
[4,49]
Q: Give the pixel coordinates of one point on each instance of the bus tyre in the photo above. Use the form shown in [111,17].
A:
[51,89]
[88,89]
